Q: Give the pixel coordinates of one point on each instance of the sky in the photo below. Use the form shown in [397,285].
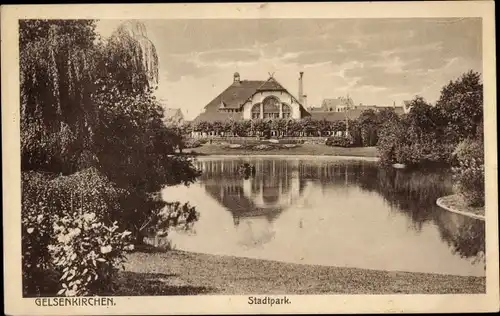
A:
[374,61]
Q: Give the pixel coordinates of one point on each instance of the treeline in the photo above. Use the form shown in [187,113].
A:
[94,155]
[449,132]
[362,131]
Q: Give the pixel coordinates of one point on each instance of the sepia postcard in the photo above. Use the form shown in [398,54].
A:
[249,158]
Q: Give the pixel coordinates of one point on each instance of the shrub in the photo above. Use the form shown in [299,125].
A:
[174,216]
[468,149]
[469,175]
[64,228]
[418,153]
[338,141]
[87,252]
[194,143]
[36,235]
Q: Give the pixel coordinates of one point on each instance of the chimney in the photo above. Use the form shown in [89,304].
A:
[301,88]
[304,99]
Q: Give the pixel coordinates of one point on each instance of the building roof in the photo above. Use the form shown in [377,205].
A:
[397,109]
[239,92]
[330,103]
[367,107]
[173,116]
[215,115]
[332,116]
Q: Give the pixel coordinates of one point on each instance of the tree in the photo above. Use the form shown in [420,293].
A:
[324,127]
[202,126]
[392,137]
[260,126]
[368,123]
[424,118]
[233,127]
[309,126]
[338,126]
[415,138]
[385,115]
[461,103]
[225,127]
[244,127]
[88,103]
[217,127]
[132,128]
[355,133]
[279,125]
[294,127]
[56,81]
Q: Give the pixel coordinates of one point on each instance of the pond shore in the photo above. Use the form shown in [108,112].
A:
[455,203]
[185,273]
[302,150]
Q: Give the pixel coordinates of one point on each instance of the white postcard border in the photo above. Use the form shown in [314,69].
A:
[214,304]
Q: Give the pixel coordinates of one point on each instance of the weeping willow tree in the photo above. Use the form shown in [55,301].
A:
[56,77]
[88,102]
[130,58]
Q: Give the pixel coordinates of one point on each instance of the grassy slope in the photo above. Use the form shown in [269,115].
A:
[457,202]
[304,149]
[184,273]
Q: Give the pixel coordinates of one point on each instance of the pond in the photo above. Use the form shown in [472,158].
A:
[329,211]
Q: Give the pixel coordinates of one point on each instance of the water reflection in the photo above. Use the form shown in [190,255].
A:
[274,188]
[332,212]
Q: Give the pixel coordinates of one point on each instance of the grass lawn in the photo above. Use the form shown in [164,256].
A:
[456,202]
[184,273]
[303,149]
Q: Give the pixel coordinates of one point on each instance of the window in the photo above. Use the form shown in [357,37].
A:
[287,110]
[271,107]
[256,111]
[271,115]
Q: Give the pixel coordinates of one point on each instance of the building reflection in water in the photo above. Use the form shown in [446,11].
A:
[255,203]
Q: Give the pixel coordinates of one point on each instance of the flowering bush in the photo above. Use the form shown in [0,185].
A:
[36,234]
[469,174]
[64,236]
[88,253]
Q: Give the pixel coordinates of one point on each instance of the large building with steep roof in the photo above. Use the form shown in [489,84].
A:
[253,99]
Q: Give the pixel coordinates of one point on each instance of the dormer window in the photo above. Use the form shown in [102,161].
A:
[236,78]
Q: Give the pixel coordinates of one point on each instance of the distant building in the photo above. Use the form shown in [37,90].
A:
[328,105]
[342,105]
[173,116]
